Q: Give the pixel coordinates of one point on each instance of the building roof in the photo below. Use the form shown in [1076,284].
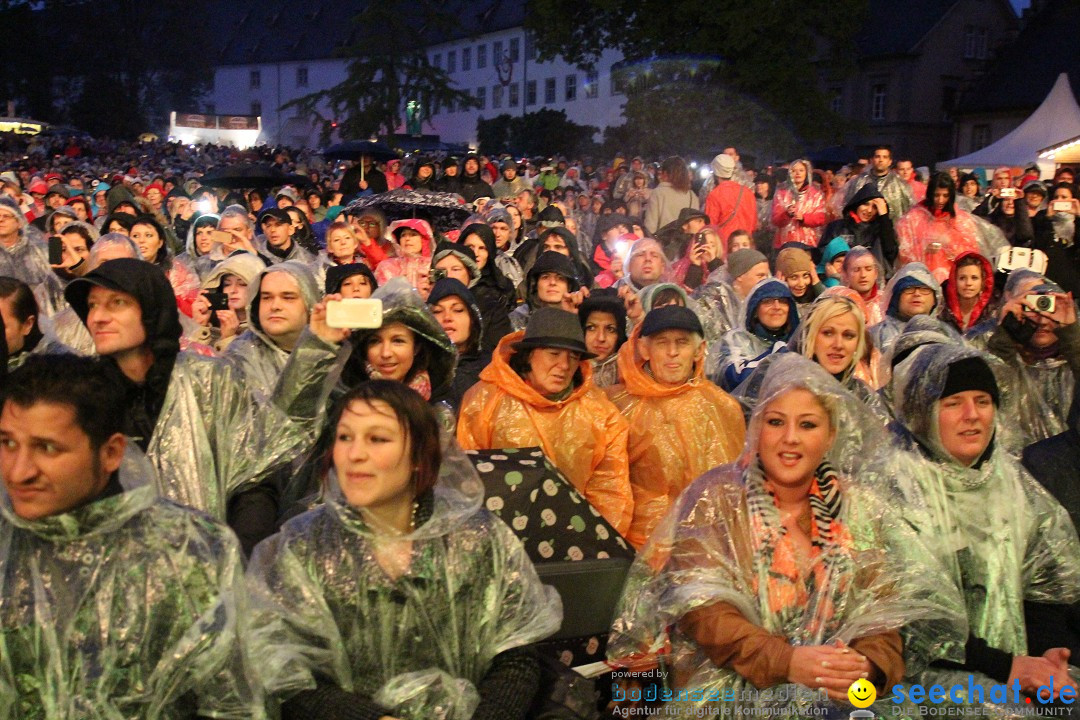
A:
[1022,74]
[895,28]
[271,31]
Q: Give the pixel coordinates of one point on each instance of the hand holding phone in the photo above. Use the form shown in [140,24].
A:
[56,250]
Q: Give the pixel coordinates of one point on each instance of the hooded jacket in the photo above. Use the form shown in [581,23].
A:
[739,351]
[495,293]
[885,332]
[809,200]
[936,239]
[28,260]
[472,186]
[469,365]
[204,432]
[129,606]
[676,434]
[201,264]
[983,317]
[257,356]
[877,235]
[897,193]
[243,265]
[549,261]
[583,435]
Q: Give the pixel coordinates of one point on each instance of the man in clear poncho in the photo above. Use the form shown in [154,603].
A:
[720,299]
[896,192]
[114,603]
[198,421]
[346,631]
[784,571]
[911,291]
[681,425]
[280,300]
[1043,351]
[1000,536]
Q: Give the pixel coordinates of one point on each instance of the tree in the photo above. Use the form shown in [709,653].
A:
[112,67]
[544,132]
[764,50]
[388,69]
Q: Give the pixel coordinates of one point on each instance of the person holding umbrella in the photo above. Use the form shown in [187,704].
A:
[363,178]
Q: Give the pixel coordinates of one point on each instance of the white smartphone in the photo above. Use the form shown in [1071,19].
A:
[354,313]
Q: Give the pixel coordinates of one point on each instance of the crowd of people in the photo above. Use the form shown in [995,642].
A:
[832,411]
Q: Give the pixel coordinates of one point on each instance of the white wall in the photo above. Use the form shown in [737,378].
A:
[232,92]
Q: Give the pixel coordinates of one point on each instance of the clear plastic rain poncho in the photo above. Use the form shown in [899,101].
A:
[718,305]
[723,543]
[1044,381]
[254,352]
[884,333]
[936,240]
[127,607]
[733,358]
[897,193]
[418,645]
[676,434]
[28,260]
[999,535]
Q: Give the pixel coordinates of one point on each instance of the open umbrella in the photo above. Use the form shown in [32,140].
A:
[353,149]
[251,175]
[445,211]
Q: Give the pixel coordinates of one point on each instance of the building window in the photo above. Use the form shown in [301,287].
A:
[836,103]
[948,103]
[466,58]
[481,98]
[515,49]
[496,96]
[436,60]
[592,84]
[571,87]
[481,56]
[530,93]
[301,77]
[515,93]
[451,61]
[496,52]
[975,42]
[549,91]
[980,137]
[256,108]
[255,79]
[877,102]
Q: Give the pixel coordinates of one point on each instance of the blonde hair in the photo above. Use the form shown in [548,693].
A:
[828,308]
[340,225]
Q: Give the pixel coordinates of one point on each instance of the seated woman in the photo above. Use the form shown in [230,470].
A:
[603,320]
[399,596]
[1001,537]
[538,392]
[783,570]
[232,277]
[454,306]
[969,293]
[795,267]
[770,318]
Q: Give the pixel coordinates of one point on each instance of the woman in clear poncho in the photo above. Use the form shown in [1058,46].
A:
[1001,538]
[399,596]
[769,566]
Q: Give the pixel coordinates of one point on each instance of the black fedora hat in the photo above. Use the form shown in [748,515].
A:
[554,328]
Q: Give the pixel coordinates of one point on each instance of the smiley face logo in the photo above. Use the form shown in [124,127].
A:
[862,693]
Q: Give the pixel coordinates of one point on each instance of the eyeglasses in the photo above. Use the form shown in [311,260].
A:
[918,290]
[773,302]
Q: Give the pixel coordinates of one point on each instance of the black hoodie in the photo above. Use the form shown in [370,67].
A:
[477,358]
[878,235]
[161,322]
[473,186]
[494,293]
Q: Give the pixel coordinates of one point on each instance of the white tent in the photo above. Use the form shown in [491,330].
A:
[1056,120]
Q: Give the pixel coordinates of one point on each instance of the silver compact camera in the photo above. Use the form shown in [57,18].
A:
[1041,303]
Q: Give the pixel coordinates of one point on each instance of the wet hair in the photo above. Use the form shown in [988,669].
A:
[677,173]
[667,296]
[80,383]
[82,230]
[970,261]
[416,418]
[23,307]
[124,220]
[237,211]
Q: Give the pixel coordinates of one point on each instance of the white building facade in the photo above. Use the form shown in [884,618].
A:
[499,69]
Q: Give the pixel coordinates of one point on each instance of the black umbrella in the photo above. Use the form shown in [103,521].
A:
[353,149]
[251,175]
[445,211]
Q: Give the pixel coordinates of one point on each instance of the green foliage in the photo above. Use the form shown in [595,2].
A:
[388,68]
[119,66]
[544,132]
[766,49]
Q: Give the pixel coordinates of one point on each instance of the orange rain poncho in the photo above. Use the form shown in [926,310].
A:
[676,435]
[583,435]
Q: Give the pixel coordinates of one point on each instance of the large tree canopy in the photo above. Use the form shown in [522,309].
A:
[388,68]
[544,132]
[764,50]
